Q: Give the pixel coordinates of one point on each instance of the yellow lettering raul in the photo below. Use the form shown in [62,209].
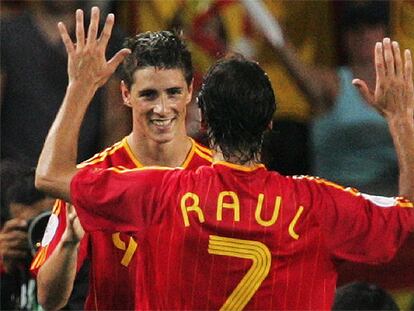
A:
[275,215]
[292,224]
[235,205]
[194,207]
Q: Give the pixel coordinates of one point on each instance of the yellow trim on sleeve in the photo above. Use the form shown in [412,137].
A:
[319,180]
[122,169]
[403,202]
[101,156]
[56,206]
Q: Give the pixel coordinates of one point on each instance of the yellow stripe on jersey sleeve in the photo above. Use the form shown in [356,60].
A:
[329,183]
[101,156]
[403,202]
[122,169]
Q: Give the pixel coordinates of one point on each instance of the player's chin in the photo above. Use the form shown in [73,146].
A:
[164,137]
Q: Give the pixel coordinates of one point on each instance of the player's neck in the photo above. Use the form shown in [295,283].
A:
[149,152]
[219,157]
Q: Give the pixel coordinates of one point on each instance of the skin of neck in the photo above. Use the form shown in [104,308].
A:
[219,157]
[149,152]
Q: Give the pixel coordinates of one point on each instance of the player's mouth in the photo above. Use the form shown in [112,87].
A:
[163,124]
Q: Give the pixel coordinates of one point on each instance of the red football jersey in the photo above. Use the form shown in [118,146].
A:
[112,255]
[231,237]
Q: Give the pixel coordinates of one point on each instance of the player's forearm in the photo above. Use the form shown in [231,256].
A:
[57,275]
[402,131]
[57,162]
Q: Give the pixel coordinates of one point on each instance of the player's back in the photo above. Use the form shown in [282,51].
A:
[232,239]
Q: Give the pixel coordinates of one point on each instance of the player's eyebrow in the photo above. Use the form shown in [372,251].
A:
[146,92]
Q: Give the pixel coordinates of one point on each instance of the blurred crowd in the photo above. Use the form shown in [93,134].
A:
[322,126]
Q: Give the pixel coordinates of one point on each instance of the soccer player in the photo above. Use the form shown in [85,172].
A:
[233,235]
[157,86]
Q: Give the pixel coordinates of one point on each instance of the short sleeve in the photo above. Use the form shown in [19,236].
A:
[356,226]
[115,199]
[55,228]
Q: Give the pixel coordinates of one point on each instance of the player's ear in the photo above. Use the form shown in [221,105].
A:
[190,91]
[126,94]
[270,125]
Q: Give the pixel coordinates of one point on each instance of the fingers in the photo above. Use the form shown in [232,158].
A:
[408,69]
[93,26]
[107,30]
[117,59]
[80,31]
[379,61]
[363,90]
[70,47]
[397,59]
[388,56]
[14,224]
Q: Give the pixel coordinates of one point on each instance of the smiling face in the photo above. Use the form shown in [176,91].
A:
[158,98]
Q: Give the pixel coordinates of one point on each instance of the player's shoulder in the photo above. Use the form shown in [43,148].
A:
[106,157]
[315,181]
[199,155]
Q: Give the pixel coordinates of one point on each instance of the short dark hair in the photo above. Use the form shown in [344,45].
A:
[237,102]
[364,13]
[363,296]
[161,49]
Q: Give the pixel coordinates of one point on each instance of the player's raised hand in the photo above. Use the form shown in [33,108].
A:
[74,231]
[86,58]
[394,91]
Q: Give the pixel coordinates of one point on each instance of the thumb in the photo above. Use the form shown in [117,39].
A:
[363,90]
[118,58]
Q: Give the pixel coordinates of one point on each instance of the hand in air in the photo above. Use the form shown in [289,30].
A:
[394,91]
[86,58]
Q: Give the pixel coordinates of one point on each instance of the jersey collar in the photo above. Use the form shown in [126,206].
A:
[239,167]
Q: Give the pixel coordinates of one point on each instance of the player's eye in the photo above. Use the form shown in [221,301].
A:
[174,91]
[148,94]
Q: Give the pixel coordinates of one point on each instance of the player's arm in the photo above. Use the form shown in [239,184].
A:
[367,228]
[393,97]
[87,71]
[57,274]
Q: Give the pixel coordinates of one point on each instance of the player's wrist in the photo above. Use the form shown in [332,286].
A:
[82,88]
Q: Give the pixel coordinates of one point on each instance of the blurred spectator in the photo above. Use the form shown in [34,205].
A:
[34,79]
[350,140]
[309,26]
[214,28]
[23,203]
[363,296]
[402,21]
